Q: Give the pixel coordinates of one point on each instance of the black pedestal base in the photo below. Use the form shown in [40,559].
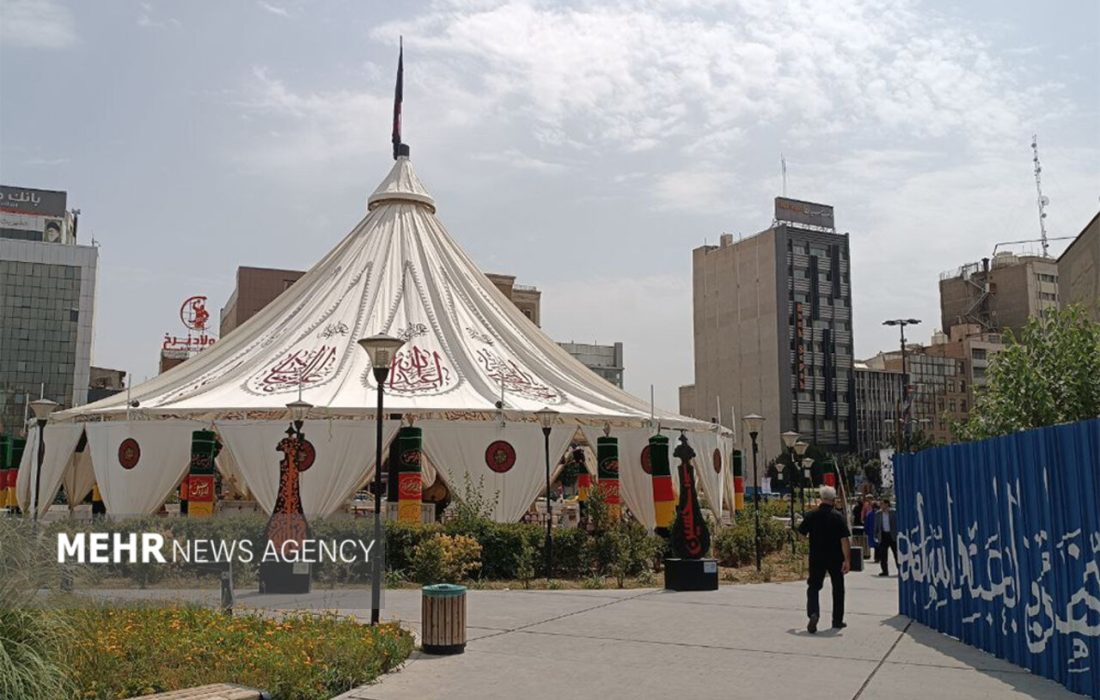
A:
[443,649]
[691,574]
[281,577]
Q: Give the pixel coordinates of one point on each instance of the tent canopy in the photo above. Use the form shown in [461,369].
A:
[473,370]
[399,273]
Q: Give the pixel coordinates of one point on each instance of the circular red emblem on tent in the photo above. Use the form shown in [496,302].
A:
[308,456]
[647,466]
[500,456]
[129,453]
[716,459]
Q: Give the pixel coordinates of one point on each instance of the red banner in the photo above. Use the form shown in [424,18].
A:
[200,488]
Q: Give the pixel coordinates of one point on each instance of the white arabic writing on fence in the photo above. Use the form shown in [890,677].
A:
[987,568]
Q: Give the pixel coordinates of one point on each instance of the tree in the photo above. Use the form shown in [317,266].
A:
[1049,375]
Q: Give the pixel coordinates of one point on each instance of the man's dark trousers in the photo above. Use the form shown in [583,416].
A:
[816,580]
[887,544]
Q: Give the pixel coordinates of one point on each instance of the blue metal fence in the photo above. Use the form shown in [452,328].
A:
[999,546]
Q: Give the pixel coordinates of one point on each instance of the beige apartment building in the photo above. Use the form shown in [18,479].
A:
[999,294]
[256,288]
[527,299]
[1079,270]
[773,330]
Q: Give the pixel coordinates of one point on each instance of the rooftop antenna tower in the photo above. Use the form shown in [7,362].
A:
[783,168]
[1041,199]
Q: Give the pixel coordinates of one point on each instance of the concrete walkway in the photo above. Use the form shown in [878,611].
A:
[745,641]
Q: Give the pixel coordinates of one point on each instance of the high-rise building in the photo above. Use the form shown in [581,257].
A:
[1079,270]
[256,288]
[47,304]
[604,360]
[1001,294]
[878,405]
[773,329]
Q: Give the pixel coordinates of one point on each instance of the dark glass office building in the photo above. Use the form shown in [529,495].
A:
[47,303]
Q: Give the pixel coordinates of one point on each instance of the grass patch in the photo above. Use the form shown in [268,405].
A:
[119,652]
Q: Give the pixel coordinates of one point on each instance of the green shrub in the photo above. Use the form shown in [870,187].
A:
[736,545]
[525,564]
[446,559]
[624,550]
[571,555]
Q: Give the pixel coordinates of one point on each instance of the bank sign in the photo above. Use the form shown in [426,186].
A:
[795,211]
[25,200]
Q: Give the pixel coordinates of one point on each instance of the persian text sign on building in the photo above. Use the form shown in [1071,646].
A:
[194,316]
[31,201]
[795,211]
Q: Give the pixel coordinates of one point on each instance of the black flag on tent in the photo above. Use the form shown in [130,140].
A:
[397,97]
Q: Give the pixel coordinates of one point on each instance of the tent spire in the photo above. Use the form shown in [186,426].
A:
[399,149]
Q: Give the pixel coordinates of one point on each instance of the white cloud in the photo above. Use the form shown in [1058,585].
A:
[36,24]
[273,9]
[637,72]
[517,159]
[914,127]
[146,19]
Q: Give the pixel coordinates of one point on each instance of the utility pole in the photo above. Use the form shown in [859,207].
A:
[906,403]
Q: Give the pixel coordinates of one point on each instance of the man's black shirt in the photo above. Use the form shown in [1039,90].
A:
[826,528]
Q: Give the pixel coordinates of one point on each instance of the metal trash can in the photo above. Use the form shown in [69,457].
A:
[443,619]
[859,539]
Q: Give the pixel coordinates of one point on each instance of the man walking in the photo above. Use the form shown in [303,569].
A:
[829,554]
[886,536]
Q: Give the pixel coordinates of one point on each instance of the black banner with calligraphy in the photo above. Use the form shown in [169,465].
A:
[690,534]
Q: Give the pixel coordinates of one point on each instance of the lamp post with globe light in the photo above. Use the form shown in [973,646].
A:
[42,409]
[546,417]
[381,349]
[790,438]
[800,448]
[754,423]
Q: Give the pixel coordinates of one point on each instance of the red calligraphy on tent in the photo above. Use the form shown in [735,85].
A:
[416,370]
[514,378]
[304,367]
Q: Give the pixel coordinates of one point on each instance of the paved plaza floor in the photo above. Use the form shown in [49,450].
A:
[743,641]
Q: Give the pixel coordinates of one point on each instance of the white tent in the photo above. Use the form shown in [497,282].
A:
[466,348]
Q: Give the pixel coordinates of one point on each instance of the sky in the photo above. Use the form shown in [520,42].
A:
[585,147]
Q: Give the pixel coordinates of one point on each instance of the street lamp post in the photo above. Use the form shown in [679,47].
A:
[800,448]
[807,463]
[42,409]
[789,439]
[381,350]
[546,419]
[754,422]
[902,323]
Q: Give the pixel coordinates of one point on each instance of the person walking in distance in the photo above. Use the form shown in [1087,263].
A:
[886,535]
[829,554]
